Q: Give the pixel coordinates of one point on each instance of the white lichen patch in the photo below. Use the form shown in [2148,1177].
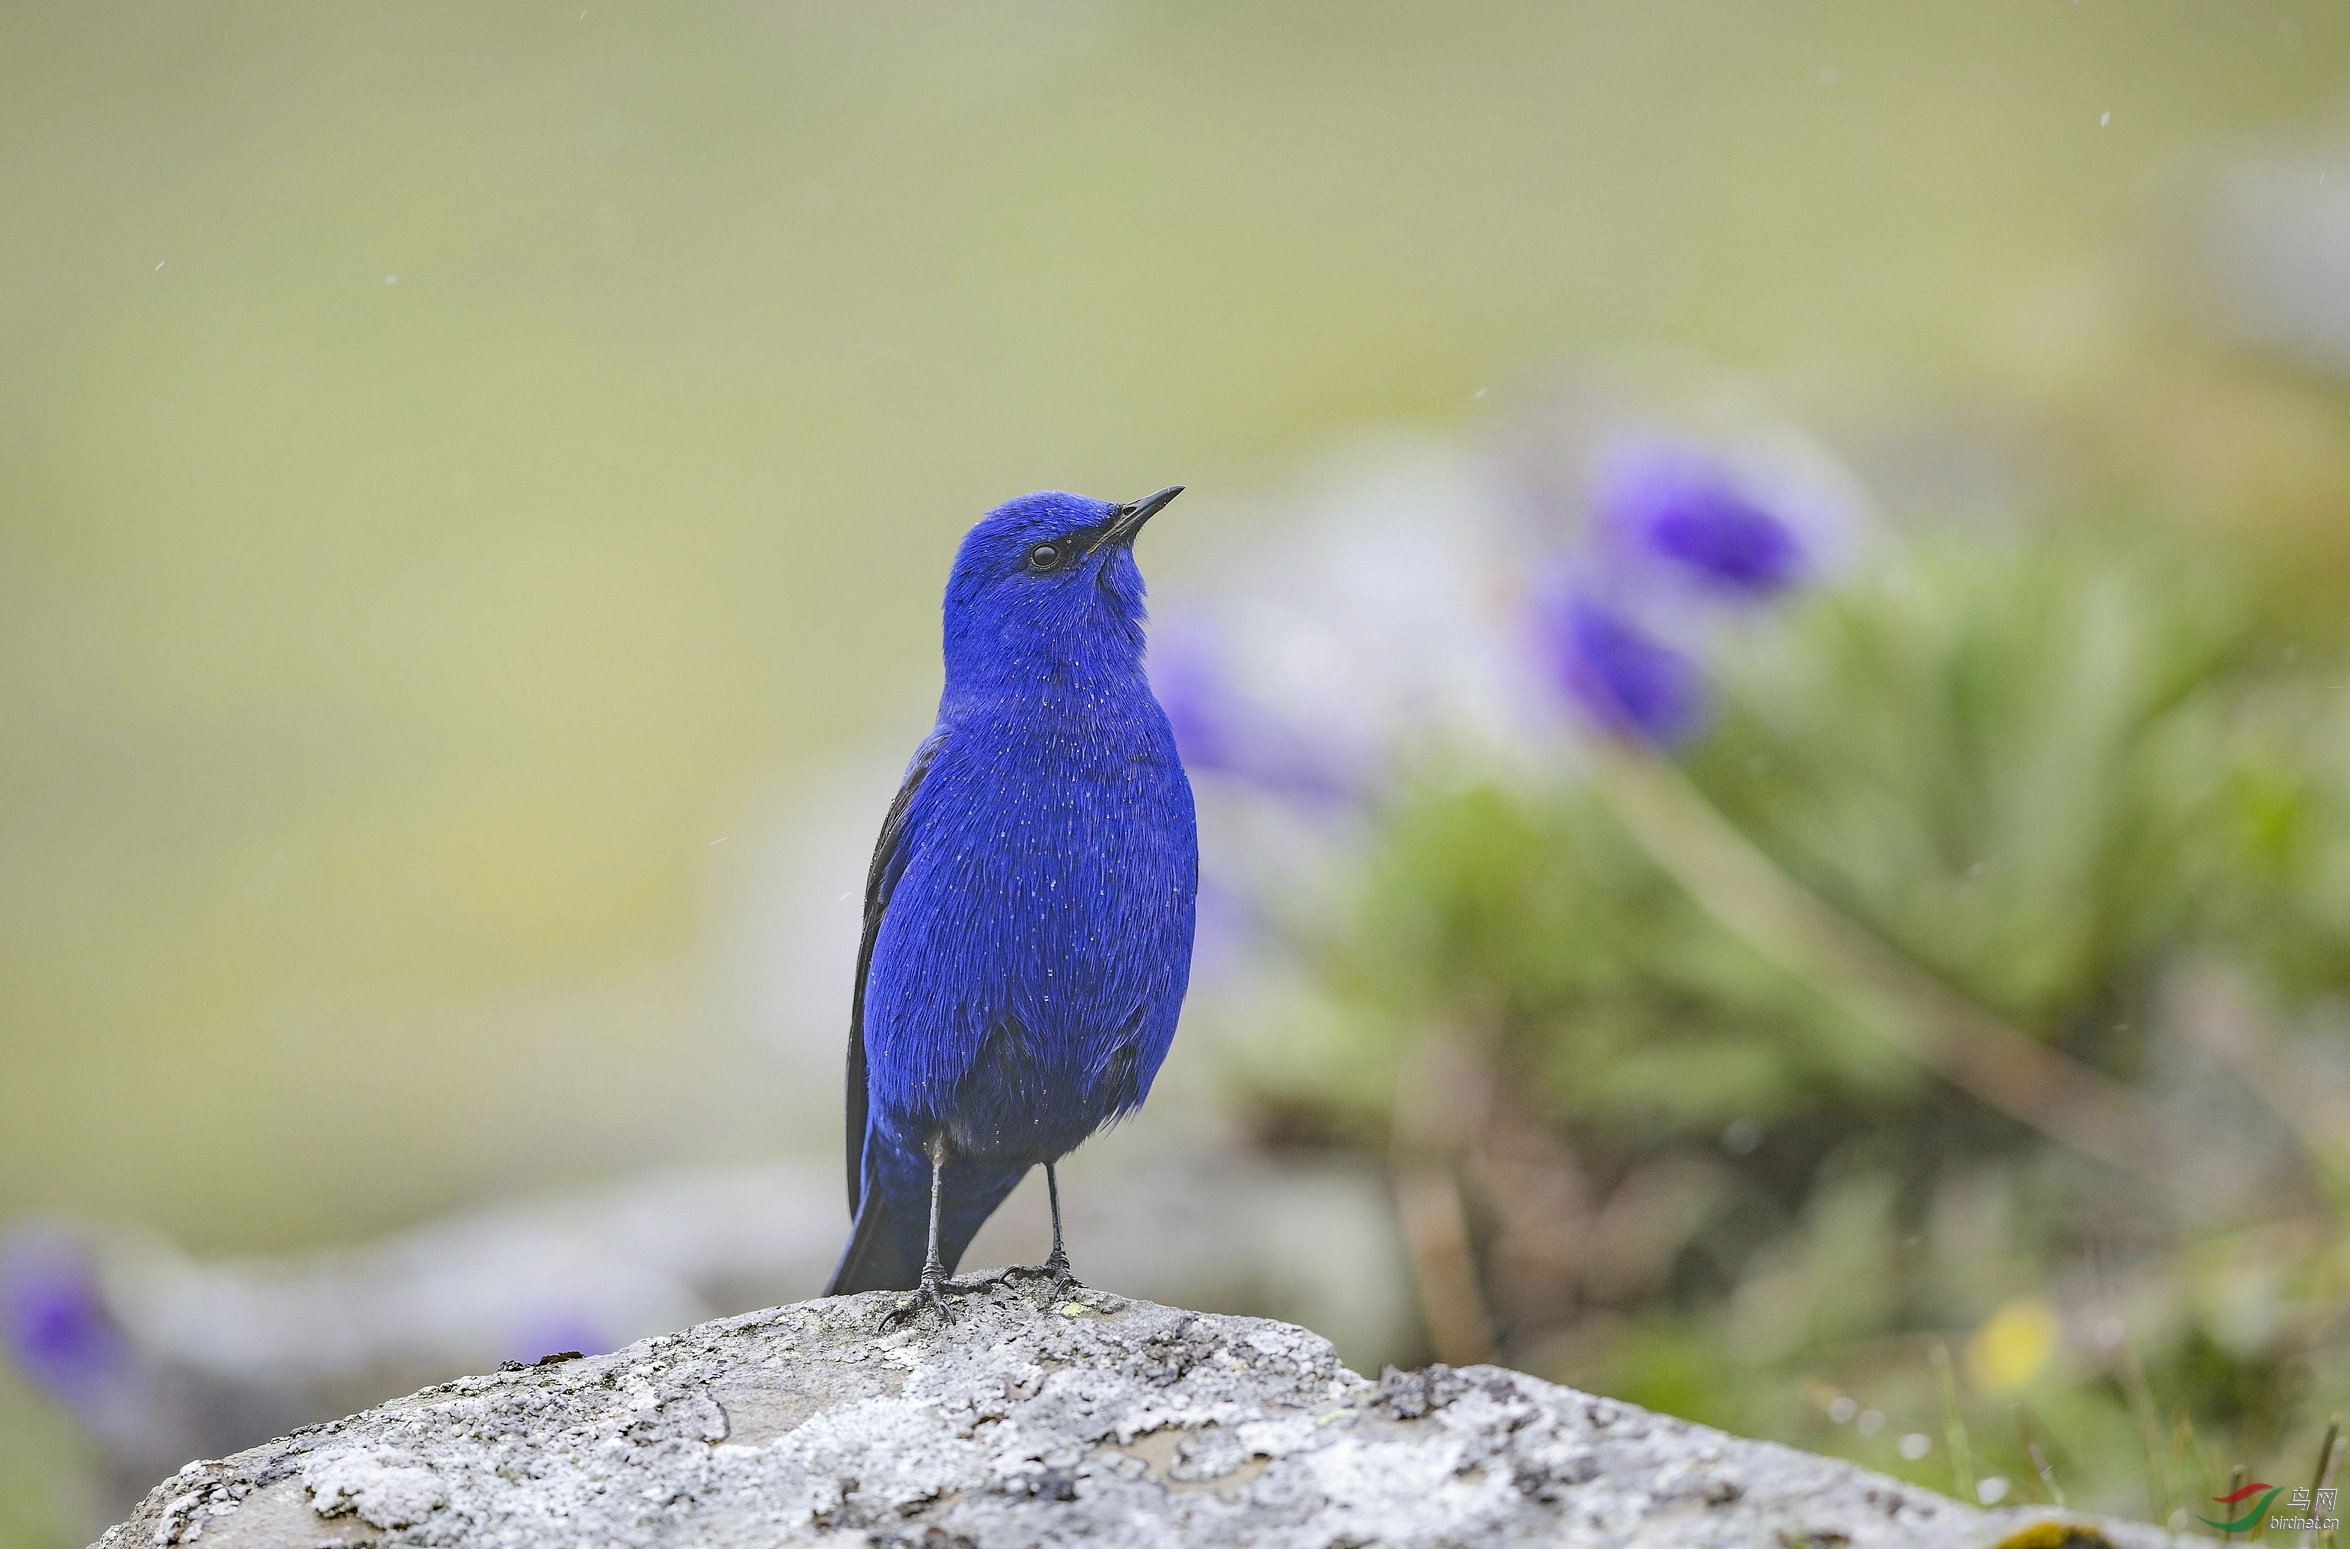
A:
[386,1487]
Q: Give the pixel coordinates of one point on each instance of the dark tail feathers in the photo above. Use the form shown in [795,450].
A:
[885,1250]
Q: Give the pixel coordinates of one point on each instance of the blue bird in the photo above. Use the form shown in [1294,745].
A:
[1028,912]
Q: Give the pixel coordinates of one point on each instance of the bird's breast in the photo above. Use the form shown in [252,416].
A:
[1047,906]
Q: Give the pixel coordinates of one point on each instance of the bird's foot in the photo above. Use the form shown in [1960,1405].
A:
[1055,1269]
[931,1293]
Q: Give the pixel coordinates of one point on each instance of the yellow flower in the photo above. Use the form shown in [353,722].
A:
[2012,1347]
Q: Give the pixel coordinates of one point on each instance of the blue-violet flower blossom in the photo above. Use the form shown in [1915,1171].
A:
[57,1325]
[1629,681]
[1678,505]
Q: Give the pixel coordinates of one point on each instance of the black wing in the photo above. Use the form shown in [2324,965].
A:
[889,859]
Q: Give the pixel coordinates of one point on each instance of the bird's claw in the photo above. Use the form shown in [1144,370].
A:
[930,1293]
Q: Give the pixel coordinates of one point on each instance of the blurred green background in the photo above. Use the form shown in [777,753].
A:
[459,465]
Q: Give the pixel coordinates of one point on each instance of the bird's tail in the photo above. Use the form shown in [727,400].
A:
[885,1251]
[891,1237]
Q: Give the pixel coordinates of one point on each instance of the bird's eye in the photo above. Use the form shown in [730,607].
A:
[1044,557]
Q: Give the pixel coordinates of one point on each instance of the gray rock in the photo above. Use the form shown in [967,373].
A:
[1030,1420]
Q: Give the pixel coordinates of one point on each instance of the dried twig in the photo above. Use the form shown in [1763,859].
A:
[1439,1101]
[1436,1237]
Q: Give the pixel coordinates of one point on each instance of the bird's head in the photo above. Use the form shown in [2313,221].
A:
[1049,575]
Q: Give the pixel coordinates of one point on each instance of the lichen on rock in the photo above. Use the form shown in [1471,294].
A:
[1028,1420]
[385,1487]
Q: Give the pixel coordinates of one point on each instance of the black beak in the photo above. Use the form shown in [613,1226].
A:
[1127,520]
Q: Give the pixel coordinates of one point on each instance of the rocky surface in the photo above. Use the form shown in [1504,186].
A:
[1034,1420]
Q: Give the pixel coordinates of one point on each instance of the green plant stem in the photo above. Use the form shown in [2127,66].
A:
[2329,1457]
[1962,1454]
[2039,1458]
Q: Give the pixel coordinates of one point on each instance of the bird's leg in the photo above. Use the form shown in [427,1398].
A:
[1058,1264]
[934,1271]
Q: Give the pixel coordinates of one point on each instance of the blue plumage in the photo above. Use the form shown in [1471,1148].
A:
[1028,913]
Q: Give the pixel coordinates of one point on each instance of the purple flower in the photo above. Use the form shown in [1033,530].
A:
[1680,506]
[1629,681]
[57,1326]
